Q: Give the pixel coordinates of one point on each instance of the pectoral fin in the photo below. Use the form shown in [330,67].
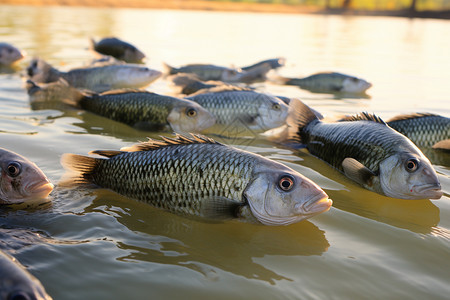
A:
[220,208]
[356,171]
[442,145]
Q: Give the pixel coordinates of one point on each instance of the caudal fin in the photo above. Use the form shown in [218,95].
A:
[299,116]
[81,168]
[168,70]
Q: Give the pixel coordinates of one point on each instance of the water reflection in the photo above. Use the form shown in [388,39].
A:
[201,246]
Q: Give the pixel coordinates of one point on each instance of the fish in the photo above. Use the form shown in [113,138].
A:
[53,95]
[273,63]
[9,54]
[119,49]
[189,84]
[424,129]
[367,151]
[97,79]
[147,111]
[198,177]
[324,82]
[237,107]
[17,283]
[207,72]
[21,180]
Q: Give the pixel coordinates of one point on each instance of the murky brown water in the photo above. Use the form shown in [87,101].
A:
[94,244]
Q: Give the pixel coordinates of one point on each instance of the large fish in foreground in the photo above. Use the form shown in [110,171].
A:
[97,79]
[21,179]
[196,176]
[328,82]
[369,152]
[16,283]
[424,130]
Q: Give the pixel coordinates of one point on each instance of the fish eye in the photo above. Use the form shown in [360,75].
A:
[286,183]
[411,165]
[18,295]
[14,169]
[276,106]
[191,112]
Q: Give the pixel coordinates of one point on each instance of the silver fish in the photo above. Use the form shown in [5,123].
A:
[196,176]
[329,82]
[119,49]
[17,283]
[9,54]
[234,107]
[273,63]
[21,180]
[369,152]
[97,79]
[424,130]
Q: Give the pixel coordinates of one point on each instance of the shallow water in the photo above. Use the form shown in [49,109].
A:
[94,244]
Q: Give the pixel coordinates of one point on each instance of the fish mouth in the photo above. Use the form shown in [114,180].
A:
[318,204]
[40,189]
[431,191]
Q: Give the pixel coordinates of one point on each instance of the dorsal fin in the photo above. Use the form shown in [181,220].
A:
[411,116]
[124,91]
[106,153]
[363,116]
[179,139]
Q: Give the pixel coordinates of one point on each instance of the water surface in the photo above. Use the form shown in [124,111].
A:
[94,244]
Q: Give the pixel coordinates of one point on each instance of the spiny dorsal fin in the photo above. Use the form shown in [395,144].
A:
[179,139]
[411,116]
[363,116]
[106,153]
[124,91]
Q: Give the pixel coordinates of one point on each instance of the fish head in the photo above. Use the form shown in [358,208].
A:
[355,85]
[21,179]
[408,175]
[189,117]
[272,113]
[279,195]
[137,76]
[9,54]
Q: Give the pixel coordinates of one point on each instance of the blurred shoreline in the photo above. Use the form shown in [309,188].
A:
[229,7]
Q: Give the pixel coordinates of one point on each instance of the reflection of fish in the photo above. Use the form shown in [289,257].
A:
[51,95]
[119,49]
[424,130]
[148,111]
[368,152]
[9,54]
[21,179]
[329,82]
[98,79]
[16,283]
[253,110]
[197,176]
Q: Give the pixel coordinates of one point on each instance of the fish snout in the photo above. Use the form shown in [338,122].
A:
[314,203]
[429,191]
[39,189]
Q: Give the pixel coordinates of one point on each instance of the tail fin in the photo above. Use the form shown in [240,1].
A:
[81,168]
[300,115]
[277,79]
[168,70]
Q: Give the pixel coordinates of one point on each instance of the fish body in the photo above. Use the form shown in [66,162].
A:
[273,63]
[196,176]
[330,82]
[369,152]
[146,110]
[424,130]
[21,179]
[250,109]
[97,79]
[119,49]
[9,54]
[17,283]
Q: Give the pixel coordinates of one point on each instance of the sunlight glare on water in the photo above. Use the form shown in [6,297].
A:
[94,244]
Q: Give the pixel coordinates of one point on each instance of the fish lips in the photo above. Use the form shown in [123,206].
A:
[39,189]
[428,191]
[316,204]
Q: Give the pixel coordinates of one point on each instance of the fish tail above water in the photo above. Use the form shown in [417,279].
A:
[83,166]
[299,116]
[169,70]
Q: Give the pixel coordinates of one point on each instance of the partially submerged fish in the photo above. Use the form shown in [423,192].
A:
[273,63]
[329,82]
[17,283]
[98,79]
[21,179]
[369,152]
[148,111]
[207,72]
[9,54]
[51,95]
[235,106]
[189,83]
[119,49]
[196,176]
[424,130]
